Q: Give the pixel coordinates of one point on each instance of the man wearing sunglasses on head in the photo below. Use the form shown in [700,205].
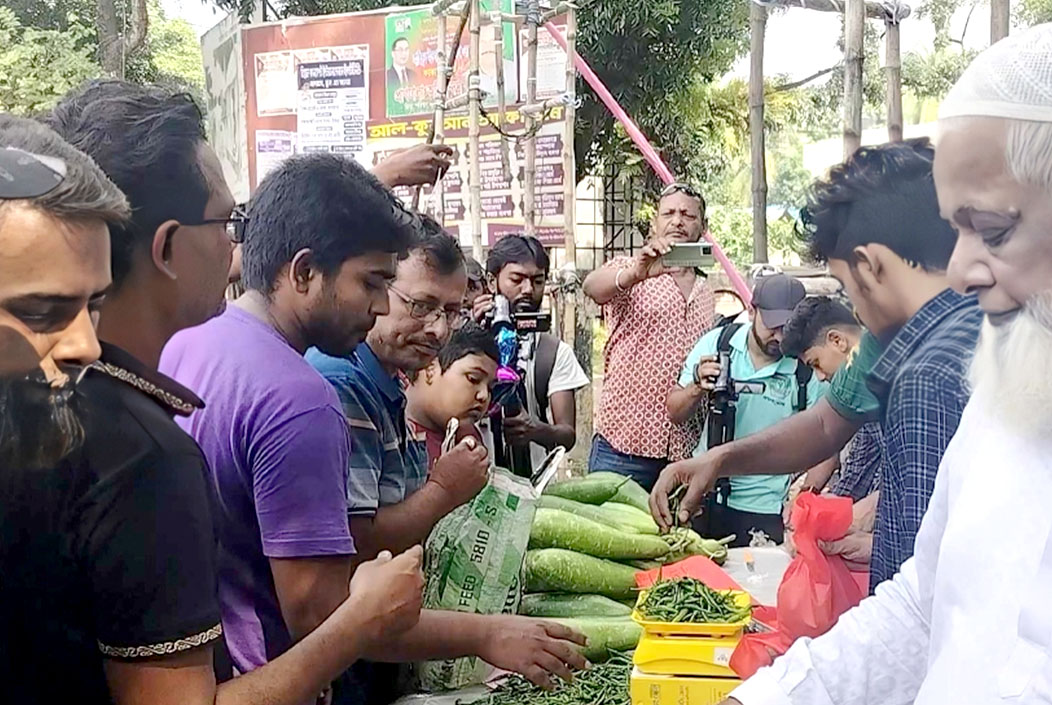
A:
[654,315]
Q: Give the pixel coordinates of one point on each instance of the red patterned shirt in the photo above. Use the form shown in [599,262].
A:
[652,328]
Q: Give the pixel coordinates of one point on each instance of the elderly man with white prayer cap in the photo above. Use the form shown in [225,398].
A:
[968,619]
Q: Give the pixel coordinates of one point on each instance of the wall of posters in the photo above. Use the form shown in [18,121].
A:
[326,83]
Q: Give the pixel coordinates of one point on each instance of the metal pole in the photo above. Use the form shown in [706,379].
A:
[893,65]
[530,147]
[475,169]
[758,26]
[854,26]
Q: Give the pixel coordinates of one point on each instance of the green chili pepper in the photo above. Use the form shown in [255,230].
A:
[690,600]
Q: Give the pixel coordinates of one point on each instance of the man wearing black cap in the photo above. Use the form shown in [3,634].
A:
[781,388]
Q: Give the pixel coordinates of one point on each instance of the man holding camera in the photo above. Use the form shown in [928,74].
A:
[517,268]
[737,377]
[654,314]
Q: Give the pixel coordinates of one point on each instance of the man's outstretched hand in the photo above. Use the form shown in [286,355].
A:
[419,165]
[698,474]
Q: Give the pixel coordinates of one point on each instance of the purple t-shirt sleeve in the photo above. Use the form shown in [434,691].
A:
[299,476]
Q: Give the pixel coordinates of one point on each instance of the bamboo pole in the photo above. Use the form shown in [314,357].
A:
[441,7]
[758,29]
[893,66]
[569,164]
[474,167]
[529,202]
[854,26]
[1000,18]
[439,193]
[496,20]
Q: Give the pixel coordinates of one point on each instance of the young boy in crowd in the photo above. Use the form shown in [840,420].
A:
[455,385]
[823,333]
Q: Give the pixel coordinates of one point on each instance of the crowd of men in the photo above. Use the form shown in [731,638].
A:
[210,501]
[183,502]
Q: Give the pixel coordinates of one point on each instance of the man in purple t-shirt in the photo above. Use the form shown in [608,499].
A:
[318,253]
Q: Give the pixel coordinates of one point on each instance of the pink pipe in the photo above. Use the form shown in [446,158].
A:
[649,153]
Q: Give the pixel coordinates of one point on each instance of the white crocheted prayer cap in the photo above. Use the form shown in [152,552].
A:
[1012,79]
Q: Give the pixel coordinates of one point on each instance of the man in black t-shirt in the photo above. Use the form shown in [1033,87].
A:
[108,589]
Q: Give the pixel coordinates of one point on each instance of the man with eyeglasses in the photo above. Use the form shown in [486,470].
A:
[387,472]
[654,315]
[393,501]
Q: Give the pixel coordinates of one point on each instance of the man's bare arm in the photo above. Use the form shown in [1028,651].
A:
[799,442]
[384,601]
[310,589]
[396,527]
[682,402]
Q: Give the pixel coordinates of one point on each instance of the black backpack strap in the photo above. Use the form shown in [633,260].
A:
[723,344]
[543,364]
[803,377]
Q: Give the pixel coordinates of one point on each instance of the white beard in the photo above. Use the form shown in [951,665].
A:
[1012,369]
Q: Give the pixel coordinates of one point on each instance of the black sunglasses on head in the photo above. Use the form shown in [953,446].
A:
[27,175]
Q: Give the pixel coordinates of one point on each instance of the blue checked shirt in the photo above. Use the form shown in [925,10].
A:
[860,471]
[921,382]
[387,465]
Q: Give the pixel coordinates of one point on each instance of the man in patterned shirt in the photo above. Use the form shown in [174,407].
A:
[654,315]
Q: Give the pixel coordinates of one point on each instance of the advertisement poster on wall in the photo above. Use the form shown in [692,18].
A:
[411,47]
[332,106]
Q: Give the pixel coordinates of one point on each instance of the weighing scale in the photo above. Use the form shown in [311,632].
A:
[685,663]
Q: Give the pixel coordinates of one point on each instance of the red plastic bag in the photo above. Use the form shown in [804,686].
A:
[815,590]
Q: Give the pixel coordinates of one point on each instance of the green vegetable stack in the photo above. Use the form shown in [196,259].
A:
[589,537]
[690,600]
[603,684]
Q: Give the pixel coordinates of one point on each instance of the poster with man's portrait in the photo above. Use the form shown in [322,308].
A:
[411,47]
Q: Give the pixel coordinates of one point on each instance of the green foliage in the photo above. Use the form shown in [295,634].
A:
[932,74]
[48,48]
[1032,12]
[171,56]
[37,66]
[731,226]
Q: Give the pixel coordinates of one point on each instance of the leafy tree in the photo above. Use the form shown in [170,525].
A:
[37,66]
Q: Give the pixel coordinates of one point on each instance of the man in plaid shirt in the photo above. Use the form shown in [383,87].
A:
[876,222]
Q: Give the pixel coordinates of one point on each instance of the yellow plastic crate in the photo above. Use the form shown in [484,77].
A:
[686,655]
[741,598]
[652,689]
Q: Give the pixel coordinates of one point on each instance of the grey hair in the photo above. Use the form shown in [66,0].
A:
[1028,152]
[85,192]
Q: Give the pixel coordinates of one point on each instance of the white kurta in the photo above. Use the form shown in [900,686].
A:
[968,619]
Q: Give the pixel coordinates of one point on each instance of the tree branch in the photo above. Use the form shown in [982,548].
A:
[804,81]
[140,22]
